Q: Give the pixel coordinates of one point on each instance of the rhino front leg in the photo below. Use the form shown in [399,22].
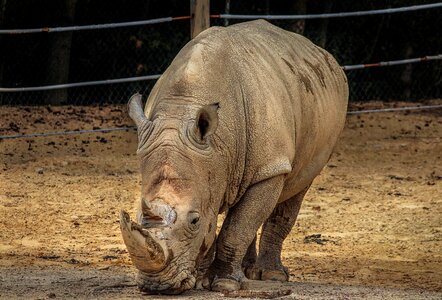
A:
[268,265]
[249,259]
[203,266]
[239,230]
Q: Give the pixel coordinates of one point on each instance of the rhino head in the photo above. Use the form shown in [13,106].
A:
[176,220]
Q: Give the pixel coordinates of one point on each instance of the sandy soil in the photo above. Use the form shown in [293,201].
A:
[371,225]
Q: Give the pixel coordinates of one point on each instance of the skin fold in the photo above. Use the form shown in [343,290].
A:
[242,121]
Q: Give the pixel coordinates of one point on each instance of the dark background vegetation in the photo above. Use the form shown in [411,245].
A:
[54,58]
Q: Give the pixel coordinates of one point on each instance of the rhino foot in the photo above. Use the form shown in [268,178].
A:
[221,279]
[202,282]
[255,273]
[219,284]
[225,284]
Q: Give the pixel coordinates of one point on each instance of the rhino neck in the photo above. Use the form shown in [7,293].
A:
[237,183]
[204,73]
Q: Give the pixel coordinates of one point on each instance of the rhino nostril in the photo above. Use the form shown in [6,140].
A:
[156,213]
[151,221]
[186,284]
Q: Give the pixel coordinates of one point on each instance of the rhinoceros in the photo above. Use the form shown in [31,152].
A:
[240,123]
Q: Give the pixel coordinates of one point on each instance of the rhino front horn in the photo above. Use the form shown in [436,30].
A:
[146,253]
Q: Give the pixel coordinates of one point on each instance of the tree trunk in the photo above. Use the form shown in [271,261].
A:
[227,11]
[200,12]
[371,48]
[300,8]
[406,76]
[322,39]
[267,7]
[60,53]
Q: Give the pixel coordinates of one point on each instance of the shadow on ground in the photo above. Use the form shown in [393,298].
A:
[119,283]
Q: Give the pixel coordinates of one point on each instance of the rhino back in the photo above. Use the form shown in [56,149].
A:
[296,98]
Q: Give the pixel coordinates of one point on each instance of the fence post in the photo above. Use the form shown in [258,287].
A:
[200,13]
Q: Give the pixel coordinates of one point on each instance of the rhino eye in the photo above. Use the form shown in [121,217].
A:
[194,219]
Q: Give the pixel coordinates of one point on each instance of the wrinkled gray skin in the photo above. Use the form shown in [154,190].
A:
[243,120]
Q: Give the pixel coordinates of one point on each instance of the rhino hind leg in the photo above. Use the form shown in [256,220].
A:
[268,265]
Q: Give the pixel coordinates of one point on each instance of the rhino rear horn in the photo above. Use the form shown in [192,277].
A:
[136,112]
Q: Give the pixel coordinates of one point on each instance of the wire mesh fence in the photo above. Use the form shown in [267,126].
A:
[80,56]
[367,39]
[94,55]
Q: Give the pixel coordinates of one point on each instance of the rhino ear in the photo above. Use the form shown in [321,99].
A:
[135,108]
[207,120]
[136,112]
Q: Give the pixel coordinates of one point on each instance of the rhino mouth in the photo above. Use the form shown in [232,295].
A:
[159,272]
[168,282]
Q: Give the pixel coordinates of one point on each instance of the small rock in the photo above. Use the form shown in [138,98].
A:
[39,121]
[51,295]
[39,170]
[49,257]
[109,257]
[435,176]
[396,177]
[73,261]
[318,239]
[14,127]
[394,194]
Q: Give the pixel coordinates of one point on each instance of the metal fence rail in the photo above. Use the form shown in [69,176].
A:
[80,84]
[331,15]
[93,27]
[224,16]
[69,132]
[394,109]
[392,62]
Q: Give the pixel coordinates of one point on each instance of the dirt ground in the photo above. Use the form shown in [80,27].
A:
[370,226]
